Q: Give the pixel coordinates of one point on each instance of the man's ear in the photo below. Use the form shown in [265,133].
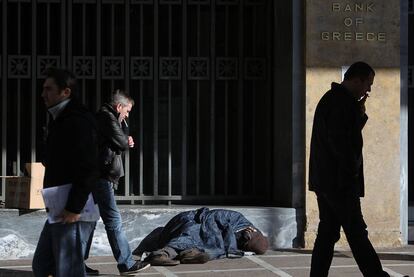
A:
[67,92]
[118,107]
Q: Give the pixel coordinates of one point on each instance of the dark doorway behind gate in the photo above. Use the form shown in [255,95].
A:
[200,72]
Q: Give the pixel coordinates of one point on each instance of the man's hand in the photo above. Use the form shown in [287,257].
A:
[130,142]
[362,103]
[68,217]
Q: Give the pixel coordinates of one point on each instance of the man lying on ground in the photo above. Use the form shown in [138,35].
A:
[201,235]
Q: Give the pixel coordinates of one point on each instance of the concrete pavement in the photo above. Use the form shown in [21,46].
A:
[284,263]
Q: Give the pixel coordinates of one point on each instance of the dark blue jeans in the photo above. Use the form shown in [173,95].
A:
[104,196]
[336,211]
[61,249]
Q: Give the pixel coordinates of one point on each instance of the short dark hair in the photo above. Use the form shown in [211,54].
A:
[359,69]
[63,79]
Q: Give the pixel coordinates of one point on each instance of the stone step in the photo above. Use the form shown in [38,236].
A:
[19,232]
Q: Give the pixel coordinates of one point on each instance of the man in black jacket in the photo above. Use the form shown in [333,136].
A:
[336,172]
[70,158]
[113,141]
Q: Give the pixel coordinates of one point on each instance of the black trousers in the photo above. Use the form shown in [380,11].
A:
[336,211]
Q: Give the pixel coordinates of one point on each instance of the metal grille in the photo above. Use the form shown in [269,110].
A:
[199,71]
[410,44]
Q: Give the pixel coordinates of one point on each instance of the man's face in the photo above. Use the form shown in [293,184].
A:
[52,95]
[364,86]
[123,111]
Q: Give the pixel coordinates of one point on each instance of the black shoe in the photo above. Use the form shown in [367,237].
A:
[91,271]
[137,267]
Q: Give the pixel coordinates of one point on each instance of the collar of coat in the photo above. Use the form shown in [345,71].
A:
[109,108]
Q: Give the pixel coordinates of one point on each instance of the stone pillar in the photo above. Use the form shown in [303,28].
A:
[339,33]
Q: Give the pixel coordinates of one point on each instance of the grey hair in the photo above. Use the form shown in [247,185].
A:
[121,97]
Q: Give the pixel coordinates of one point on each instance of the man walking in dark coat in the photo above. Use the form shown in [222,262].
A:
[113,141]
[70,161]
[336,172]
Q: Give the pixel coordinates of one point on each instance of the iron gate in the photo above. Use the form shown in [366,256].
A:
[199,71]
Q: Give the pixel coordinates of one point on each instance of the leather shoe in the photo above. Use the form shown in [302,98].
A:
[91,271]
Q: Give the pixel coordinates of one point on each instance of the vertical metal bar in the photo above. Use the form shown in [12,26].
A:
[33,83]
[83,49]
[18,110]
[98,54]
[213,98]
[169,103]
[19,27]
[66,39]
[4,100]
[198,138]
[198,110]
[270,12]
[112,29]
[141,106]
[126,64]
[127,43]
[240,96]
[19,125]
[254,155]
[48,28]
[226,103]
[155,132]
[184,102]
[112,39]
[48,37]
[169,143]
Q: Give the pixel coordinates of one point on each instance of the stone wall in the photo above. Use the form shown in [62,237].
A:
[381,154]
[334,42]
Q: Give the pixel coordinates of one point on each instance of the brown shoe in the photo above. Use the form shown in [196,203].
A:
[193,256]
[161,260]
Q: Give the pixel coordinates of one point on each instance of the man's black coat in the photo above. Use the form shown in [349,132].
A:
[336,164]
[113,141]
[71,154]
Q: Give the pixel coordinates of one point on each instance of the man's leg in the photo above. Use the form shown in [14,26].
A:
[69,246]
[104,195]
[355,230]
[90,271]
[328,234]
[43,262]
[89,243]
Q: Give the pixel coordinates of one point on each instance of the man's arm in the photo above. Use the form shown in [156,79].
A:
[84,162]
[364,117]
[111,131]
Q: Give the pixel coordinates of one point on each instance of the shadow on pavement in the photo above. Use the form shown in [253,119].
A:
[397,257]
[15,273]
[309,252]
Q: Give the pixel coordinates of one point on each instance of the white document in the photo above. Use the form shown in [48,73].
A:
[55,199]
